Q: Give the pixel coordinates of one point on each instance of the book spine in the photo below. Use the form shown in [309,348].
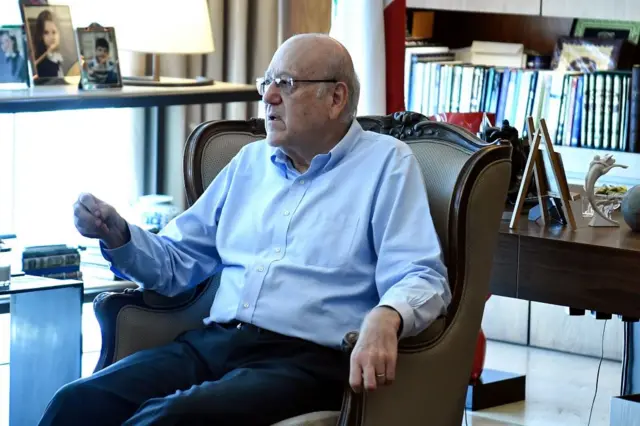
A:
[591,114]
[444,88]
[562,113]
[634,110]
[455,91]
[502,98]
[616,108]
[568,120]
[607,109]
[624,130]
[577,113]
[598,112]
[585,111]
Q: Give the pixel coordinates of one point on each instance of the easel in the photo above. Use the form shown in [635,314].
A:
[551,184]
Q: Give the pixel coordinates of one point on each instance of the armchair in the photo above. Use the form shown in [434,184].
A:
[467,183]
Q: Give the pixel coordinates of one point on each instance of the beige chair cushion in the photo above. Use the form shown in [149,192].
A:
[319,418]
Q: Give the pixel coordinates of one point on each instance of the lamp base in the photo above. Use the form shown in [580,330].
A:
[166,81]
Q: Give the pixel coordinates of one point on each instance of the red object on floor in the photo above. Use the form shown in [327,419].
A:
[480,355]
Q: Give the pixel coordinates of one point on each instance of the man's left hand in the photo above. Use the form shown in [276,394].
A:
[373,360]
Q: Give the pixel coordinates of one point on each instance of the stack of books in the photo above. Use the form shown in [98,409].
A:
[54,261]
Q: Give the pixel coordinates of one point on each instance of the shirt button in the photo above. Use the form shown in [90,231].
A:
[302,182]
[277,249]
[260,268]
[246,305]
[286,212]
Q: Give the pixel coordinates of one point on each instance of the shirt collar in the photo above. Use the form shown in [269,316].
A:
[329,160]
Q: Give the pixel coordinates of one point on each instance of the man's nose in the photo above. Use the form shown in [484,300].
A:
[272,95]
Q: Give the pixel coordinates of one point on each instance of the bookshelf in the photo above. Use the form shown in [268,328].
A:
[538,34]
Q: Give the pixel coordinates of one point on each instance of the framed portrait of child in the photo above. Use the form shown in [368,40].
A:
[98,51]
[52,43]
[14,66]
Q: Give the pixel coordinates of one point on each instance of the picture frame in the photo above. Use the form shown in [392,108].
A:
[52,43]
[14,58]
[98,52]
[587,55]
[546,167]
[605,29]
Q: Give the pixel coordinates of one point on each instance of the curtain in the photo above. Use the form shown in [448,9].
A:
[245,36]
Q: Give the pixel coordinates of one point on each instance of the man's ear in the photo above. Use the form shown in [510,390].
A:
[339,99]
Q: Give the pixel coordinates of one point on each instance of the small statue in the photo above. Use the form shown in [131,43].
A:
[598,167]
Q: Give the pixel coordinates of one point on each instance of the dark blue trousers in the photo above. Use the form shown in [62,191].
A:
[218,375]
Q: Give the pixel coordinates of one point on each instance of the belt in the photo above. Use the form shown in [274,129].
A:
[245,326]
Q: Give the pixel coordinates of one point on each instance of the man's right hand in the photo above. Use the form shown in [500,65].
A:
[96,219]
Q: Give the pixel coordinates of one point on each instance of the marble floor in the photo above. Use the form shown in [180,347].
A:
[560,387]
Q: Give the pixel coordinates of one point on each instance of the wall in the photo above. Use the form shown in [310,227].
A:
[304,16]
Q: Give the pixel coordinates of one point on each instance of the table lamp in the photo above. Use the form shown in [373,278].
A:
[164,27]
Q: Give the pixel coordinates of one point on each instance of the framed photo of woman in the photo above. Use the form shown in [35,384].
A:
[52,43]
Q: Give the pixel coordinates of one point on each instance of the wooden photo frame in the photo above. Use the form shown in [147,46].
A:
[545,166]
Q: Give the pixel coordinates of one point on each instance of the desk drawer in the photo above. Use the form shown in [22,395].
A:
[504,272]
[579,276]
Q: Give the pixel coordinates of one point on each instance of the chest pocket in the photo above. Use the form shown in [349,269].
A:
[323,239]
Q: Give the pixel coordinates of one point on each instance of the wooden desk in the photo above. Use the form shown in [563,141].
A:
[595,269]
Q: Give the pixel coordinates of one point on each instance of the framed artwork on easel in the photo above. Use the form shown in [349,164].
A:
[545,166]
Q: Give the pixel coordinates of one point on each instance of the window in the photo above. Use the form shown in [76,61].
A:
[52,157]
[48,158]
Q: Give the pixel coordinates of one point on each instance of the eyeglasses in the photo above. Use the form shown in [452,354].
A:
[286,84]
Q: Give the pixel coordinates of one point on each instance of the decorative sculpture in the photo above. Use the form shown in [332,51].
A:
[598,167]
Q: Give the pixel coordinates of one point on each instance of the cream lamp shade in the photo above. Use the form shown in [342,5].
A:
[162,26]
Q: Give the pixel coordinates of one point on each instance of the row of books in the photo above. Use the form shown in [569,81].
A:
[598,110]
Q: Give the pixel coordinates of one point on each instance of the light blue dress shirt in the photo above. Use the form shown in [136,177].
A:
[304,254]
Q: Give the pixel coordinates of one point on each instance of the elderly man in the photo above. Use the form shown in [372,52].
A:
[318,230]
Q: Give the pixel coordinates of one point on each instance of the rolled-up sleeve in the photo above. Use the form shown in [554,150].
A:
[410,273]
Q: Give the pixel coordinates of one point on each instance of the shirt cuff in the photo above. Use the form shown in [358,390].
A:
[406,314]
[124,256]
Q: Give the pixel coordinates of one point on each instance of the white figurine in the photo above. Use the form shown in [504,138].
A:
[597,168]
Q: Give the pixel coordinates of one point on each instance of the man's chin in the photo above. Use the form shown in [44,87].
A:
[274,140]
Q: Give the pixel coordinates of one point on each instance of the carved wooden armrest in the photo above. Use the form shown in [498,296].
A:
[413,343]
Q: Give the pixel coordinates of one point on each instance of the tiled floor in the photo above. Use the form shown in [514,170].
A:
[560,387]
